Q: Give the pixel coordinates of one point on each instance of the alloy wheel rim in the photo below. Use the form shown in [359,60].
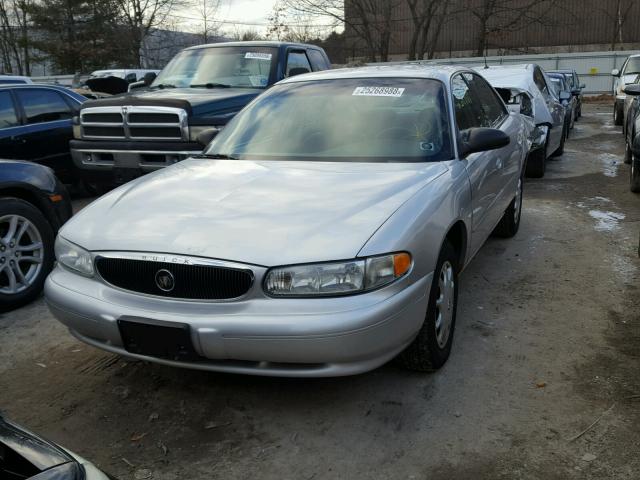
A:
[21,254]
[445,304]
[518,203]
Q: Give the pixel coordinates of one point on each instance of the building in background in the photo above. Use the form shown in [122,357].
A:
[391,29]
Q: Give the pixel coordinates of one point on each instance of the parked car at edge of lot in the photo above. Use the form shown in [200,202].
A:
[14,80]
[24,455]
[562,92]
[629,102]
[195,95]
[35,125]
[317,245]
[632,135]
[626,74]
[547,111]
[573,80]
[33,206]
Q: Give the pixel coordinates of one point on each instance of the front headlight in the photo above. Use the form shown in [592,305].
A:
[73,257]
[339,278]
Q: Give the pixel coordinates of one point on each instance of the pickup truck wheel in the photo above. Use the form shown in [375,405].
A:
[537,163]
[431,348]
[634,174]
[26,252]
[510,222]
[617,115]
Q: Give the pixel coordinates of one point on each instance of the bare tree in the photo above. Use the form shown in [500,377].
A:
[286,23]
[499,17]
[428,17]
[617,12]
[140,17]
[369,21]
[207,10]
[15,45]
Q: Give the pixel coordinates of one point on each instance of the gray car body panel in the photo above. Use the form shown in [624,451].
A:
[268,213]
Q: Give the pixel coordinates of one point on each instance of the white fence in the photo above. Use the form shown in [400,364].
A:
[594,68]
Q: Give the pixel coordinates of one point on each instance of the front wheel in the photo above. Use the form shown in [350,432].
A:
[627,153]
[510,222]
[537,163]
[26,252]
[431,348]
[617,115]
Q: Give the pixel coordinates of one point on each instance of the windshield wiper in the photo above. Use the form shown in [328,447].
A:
[217,156]
[210,85]
[163,85]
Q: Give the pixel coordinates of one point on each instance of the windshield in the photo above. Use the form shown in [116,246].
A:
[248,67]
[633,66]
[364,119]
[558,84]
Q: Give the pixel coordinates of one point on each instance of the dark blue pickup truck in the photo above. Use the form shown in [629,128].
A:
[197,93]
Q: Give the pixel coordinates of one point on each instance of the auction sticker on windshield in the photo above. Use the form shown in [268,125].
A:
[258,55]
[378,92]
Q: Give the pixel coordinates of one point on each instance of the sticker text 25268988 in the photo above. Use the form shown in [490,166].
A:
[378,92]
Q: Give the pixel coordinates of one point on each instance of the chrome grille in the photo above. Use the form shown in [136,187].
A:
[134,123]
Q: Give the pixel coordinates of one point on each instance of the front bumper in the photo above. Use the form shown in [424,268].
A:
[118,162]
[259,335]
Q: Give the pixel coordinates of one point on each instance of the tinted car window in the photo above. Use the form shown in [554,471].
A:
[8,116]
[469,113]
[632,66]
[318,61]
[297,60]
[493,109]
[364,120]
[538,79]
[43,105]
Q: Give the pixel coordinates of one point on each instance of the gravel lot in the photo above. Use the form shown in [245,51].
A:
[543,381]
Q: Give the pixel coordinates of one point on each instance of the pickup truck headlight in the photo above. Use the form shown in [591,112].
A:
[77,130]
[337,278]
[74,257]
[195,130]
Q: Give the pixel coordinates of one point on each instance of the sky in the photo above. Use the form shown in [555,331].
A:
[248,11]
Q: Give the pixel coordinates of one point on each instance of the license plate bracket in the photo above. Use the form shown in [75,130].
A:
[156,338]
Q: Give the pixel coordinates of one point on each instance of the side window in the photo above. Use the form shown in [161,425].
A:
[43,105]
[8,117]
[540,82]
[468,111]
[130,78]
[493,108]
[297,63]
[317,60]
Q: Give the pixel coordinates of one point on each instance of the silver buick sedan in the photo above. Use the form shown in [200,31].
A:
[321,233]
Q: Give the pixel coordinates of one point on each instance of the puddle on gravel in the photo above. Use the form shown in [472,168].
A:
[606,221]
[610,164]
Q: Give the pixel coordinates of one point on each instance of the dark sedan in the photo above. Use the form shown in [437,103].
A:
[35,125]
[632,135]
[33,206]
[573,81]
[26,455]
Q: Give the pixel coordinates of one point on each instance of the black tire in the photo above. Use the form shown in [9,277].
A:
[14,206]
[634,175]
[560,150]
[425,354]
[627,153]
[537,163]
[510,221]
[618,115]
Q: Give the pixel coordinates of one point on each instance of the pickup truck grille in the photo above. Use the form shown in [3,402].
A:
[134,123]
[191,282]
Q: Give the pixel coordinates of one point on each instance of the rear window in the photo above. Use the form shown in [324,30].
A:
[365,119]
[43,105]
[8,116]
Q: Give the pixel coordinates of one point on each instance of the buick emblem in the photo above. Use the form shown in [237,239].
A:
[165,280]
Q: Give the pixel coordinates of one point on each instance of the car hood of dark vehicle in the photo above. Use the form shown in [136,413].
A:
[256,212]
[197,102]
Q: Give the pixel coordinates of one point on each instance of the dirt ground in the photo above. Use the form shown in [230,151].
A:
[543,381]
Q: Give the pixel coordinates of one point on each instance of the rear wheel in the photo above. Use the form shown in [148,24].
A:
[627,153]
[537,163]
[634,174]
[617,115]
[510,222]
[26,252]
[431,348]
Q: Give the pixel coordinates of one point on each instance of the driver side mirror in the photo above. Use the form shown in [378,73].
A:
[633,89]
[615,72]
[482,140]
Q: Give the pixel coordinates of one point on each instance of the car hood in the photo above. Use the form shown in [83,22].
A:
[198,102]
[257,212]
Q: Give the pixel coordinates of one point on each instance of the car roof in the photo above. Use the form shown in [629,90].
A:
[436,72]
[509,76]
[258,43]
